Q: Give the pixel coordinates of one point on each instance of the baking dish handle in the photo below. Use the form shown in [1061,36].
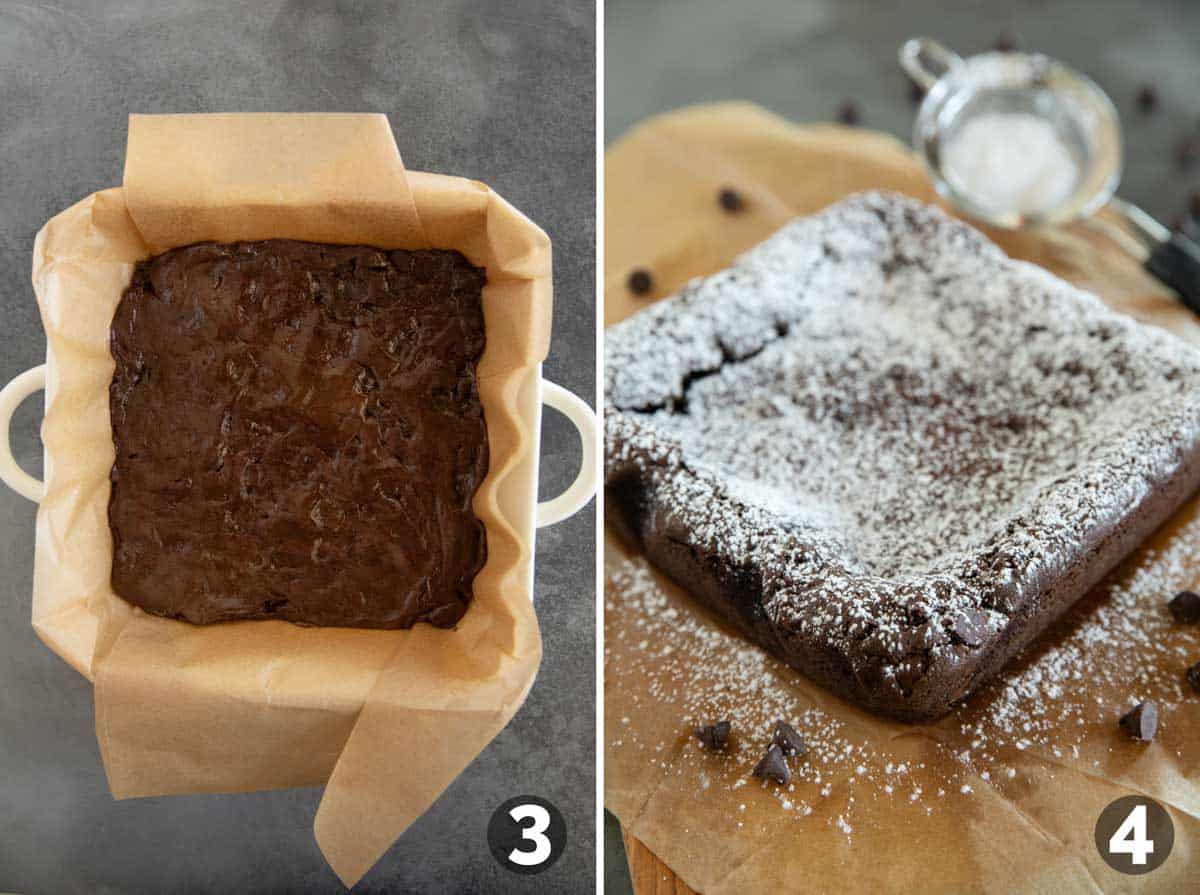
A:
[548,512]
[583,418]
[11,397]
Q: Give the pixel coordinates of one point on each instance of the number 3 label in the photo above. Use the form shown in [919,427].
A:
[527,834]
[1134,835]
[535,832]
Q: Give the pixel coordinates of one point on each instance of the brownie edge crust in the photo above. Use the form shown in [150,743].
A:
[298,434]
[889,454]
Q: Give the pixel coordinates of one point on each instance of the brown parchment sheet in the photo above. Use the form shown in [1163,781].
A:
[385,719]
[1000,796]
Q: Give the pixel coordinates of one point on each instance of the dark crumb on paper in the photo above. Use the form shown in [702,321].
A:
[1147,99]
[730,200]
[1006,43]
[849,114]
[916,92]
[1185,607]
[774,767]
[1142,722]
[714,737]
[640,282]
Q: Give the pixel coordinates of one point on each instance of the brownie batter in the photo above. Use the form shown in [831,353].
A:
[298,434]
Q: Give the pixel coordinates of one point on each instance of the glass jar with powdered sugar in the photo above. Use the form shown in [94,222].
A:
[1015,139]
[1022,140]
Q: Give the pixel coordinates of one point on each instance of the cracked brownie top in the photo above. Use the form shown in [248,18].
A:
[903,434]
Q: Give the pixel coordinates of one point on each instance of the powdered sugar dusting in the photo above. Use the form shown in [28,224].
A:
[896,427]
[1117,648]
[673,664]
[1058,703]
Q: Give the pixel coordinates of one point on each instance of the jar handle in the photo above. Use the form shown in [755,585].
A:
[926,61]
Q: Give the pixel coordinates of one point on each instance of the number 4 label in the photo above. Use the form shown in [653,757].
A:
[1130,837]
[1134,835]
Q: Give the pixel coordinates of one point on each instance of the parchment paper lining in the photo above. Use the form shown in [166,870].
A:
[878,805]
[386,718]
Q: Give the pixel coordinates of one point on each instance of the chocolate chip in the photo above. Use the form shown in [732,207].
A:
[789,741]
[1187,151]
[1142,722]
[1006,43]
[970,627]
[640,282]
[1147,99]
[773,767]
[1186,607]
[916,92]
[714,737]
[848,113]
[731,200]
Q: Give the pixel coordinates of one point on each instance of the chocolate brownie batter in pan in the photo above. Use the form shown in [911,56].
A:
[888,453]
[298,434]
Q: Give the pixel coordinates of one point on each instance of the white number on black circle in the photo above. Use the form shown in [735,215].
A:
[536,833]
[1130,837]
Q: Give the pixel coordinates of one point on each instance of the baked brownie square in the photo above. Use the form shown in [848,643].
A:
[888,453]
[298,434]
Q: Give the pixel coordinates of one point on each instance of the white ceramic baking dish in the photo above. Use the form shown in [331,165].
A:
[533,394]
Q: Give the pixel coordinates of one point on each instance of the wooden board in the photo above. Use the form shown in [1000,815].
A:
[650,875]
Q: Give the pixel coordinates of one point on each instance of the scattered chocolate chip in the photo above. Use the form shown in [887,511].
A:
[1186,607]
[970,627]
[714,737]
[640,282]
[848,113]
[1147,99]
[731,200]
[1187,151]
[1142,722]
[774,767]
[1006,43]
[1193,676]
[916,92]
[788,739]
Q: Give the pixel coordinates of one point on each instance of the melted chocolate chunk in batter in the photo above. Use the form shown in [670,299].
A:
[298,434]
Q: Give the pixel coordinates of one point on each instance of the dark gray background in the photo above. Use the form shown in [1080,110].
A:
[802,59]
[502,92]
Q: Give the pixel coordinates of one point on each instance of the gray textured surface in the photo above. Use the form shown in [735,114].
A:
[501,92]
[803,58]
